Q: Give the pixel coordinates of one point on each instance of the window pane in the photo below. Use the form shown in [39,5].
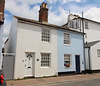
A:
[67,61]
[86,25]
[45,60]
[46,35]
[66,38]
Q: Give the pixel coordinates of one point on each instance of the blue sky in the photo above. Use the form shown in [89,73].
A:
[58,10]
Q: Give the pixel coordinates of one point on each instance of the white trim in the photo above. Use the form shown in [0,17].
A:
[28,75]
[8,53]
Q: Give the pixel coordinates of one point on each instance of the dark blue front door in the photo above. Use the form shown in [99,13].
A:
[77,57]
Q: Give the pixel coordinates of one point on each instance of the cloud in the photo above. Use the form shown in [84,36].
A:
[66,1]
[40,1]
[25,1]
[93,13]
[6,30]
[58,19]
[22,10]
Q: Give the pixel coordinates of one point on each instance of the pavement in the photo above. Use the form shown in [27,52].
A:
[49,81]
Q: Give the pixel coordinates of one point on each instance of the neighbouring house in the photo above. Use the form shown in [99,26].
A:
[92,55]
[37,48]
[91,27]
[2,5]
[92,35]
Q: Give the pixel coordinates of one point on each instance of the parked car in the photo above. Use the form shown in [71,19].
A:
[2,81]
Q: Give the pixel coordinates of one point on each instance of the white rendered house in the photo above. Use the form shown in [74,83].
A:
[34,45]
[92,55]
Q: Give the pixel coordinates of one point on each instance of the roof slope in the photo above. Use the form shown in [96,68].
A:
[46,24]
[87,45]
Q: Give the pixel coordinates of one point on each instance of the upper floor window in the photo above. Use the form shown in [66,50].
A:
[71,24]
[86,25]
[66,38]
[45,35]
[77,23]
[98,52]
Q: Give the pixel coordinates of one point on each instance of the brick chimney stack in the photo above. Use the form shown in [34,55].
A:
[43,13]
[2,5]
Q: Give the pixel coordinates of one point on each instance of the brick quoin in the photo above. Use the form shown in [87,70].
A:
[43,13]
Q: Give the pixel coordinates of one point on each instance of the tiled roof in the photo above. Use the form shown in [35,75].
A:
[45,24]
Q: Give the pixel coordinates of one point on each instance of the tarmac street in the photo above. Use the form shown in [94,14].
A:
[85,82]
[68,80]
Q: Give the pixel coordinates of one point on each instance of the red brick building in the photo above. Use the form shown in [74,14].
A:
[2,5]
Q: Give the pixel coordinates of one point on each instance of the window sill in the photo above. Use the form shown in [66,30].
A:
[45,42]
[67,44]
[45,67]
[67,67]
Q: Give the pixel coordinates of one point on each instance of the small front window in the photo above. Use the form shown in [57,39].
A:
[67,60]
[45,60]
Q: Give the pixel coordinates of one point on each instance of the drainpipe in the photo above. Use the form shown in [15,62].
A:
[89,58]
[83,42]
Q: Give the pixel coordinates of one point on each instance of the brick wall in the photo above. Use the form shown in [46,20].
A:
[2,5]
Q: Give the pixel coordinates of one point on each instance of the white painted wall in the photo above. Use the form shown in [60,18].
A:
[1,43]
[10,46]
[29,40]
[93,33]
[87,54]
[95,60]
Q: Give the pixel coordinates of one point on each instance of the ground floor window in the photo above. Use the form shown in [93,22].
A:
[45,59]
[67,60]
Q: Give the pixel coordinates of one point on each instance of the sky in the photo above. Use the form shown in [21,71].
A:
[58,11]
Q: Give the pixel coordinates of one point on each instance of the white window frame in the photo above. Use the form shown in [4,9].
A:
[67,39]
[71,24]
[45,37]
[67,60]
[86,25]
[47,61]
[77,23]
[98,52]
